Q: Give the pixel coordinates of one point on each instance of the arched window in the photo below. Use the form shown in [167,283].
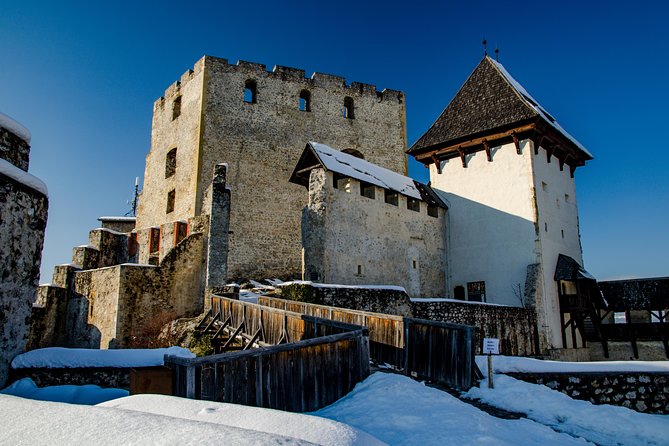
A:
[348,108]
[171,163]
[250,91]
[305,101]
[176,108]
[355,153]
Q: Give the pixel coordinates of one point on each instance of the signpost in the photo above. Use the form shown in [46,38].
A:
[490,347]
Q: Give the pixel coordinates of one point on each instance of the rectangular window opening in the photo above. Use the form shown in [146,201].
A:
[476,291]
[432,211]
[154,240]
[171,196]
[367,190]
[176,108]
[391,197]
[413,204]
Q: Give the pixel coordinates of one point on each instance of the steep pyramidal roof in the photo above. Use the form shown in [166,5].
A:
[489,101]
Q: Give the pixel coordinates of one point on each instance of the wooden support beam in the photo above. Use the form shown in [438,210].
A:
[214,319]
[461,151]
[572,169]
[538,144]
[233,337]
[516,142]
[223,327]
[486,147]
[203,319]
[549,153]
[437,163]
[253,339]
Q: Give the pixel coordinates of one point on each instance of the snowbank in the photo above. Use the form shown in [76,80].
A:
[23,177]
[399,410]
[59,357]
[457,301]
[88,394]
[302,427]
[511,364]
[46,423]
[15,127]
[602,424]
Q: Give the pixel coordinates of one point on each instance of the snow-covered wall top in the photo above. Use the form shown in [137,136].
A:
[15,127]
[353,167]
[59,357]
[23,177]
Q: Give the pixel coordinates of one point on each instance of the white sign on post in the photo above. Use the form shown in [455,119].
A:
[490,346]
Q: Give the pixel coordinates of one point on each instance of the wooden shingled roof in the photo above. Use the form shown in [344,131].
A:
[491,107]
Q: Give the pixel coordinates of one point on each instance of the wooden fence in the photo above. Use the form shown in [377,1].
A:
[312,363]
[438,351]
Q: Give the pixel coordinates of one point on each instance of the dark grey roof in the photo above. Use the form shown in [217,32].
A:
[490,100]
[569,269]
[636,294]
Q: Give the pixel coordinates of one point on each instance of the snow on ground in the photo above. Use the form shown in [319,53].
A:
[303,427]
[29,422]
[510,364]
[399,410]
[334,285]
[87,394]
[601,424]
[59,357]
[457,301]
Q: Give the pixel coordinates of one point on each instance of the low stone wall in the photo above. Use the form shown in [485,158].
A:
[377,300]
[515,327]
[79,376]
[643,392]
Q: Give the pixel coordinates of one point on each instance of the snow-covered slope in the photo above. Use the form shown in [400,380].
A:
[304,427]
[88,394]
[510,364]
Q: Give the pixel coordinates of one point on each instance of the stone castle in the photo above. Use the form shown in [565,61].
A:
[233,148]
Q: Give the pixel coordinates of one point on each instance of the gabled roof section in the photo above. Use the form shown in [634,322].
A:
[320,155]
[490,101]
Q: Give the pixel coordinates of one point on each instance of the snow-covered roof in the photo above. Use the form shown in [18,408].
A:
[536,106]
[15,127]
[107,218]
[23,177]
[353,167]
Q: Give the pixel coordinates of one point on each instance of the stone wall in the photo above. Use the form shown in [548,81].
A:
[14,149]
[114,377]
[376,300]
[260,141]
[643,392]
[515,327]
[355,240]
[24,214]
[48,324]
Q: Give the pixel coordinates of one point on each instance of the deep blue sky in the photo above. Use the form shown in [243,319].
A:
[83,77]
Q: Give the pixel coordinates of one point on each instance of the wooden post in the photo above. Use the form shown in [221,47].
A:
[490,383]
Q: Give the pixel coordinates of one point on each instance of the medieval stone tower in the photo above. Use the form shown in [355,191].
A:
[258,122]
[505,168]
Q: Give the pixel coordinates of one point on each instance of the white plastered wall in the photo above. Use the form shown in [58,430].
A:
[492,235]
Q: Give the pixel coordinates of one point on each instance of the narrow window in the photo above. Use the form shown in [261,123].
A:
[566,198]
[367,190]
[176,108]
[545,227]
[413,204]
[305,101]
[355,153]
[414,264]
[359,270]
[349,111]
[171,163]
[544,186]
[391,197]
[180,231]
[154,240]
[432,211]
[562,231]
[170,201]
[250,91]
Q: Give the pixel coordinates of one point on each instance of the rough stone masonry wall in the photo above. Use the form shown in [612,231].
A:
[351,239]
[261,142]
[14,149]
[375,300]
[643,392]
[515,327]
[23,213]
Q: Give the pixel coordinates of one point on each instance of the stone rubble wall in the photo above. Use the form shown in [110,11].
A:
[643,392]
[24,214]
[14,149]
[515,327]
[106,377]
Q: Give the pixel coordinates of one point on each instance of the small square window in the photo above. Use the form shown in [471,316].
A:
[367,190]
[413,204]
[171,196]
[432,211]
[391,197]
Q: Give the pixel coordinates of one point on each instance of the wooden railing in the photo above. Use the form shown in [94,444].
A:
[312,363]
[437,351]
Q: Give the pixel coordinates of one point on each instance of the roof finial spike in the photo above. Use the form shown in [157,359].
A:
[496,53]
[485,46]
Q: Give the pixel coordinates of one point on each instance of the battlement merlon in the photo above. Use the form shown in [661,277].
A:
[318,80]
